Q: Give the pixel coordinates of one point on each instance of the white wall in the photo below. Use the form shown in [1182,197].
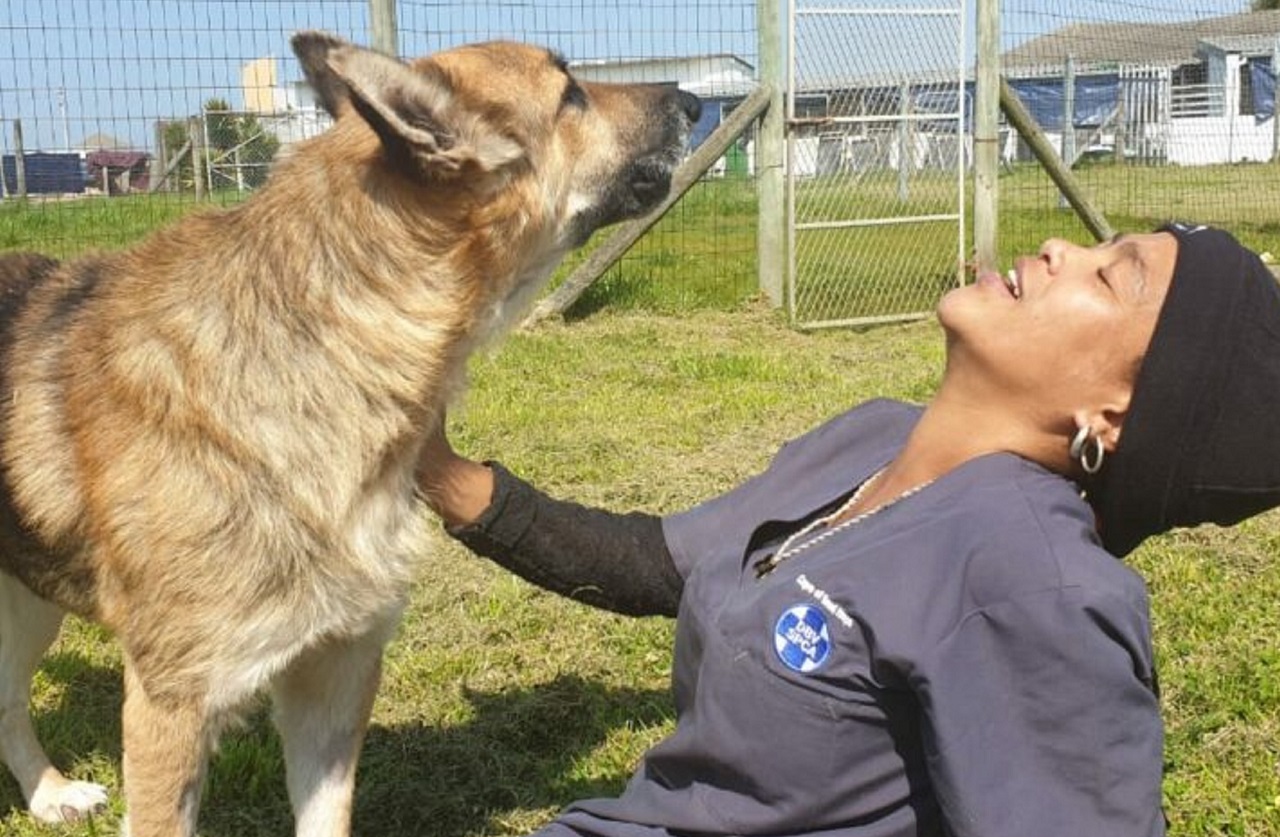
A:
[1214,139]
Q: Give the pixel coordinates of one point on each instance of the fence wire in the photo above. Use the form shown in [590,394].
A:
[1165,111]
[127,113]
[876,138]
[1170,116]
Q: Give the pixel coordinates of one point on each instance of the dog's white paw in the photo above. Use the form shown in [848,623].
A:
[62,800]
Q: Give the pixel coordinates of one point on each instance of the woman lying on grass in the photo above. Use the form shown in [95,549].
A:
[913,622]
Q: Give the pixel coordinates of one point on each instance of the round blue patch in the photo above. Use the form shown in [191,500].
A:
[801,638]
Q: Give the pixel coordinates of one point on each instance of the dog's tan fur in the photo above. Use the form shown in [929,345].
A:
[209,440]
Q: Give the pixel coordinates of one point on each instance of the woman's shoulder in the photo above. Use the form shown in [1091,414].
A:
[1024,530]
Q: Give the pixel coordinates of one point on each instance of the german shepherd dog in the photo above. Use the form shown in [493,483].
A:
[209,440]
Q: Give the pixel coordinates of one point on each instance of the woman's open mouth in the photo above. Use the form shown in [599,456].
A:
[1013,283]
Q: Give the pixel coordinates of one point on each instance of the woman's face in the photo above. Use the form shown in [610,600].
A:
[1066,328]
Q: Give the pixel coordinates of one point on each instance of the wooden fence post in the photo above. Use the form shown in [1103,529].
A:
[1068,152]
[986,136]
[384,32]
[770,163]
[195,130]
[160,161]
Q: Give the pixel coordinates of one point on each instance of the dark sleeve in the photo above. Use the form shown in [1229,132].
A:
[617,562]
[1041,718]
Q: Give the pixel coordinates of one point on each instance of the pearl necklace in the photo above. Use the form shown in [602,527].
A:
[789,546]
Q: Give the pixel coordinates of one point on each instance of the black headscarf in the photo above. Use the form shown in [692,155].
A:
[1201,441]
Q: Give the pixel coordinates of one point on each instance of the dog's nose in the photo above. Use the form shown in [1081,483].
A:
[690,104]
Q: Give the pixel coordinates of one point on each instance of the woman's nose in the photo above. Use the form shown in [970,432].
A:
[1054,252]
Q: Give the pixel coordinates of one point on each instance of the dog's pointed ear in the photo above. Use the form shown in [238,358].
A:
[412,109]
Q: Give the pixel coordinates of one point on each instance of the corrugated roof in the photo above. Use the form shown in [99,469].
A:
[658,61]
[1243,44]
[1142,43]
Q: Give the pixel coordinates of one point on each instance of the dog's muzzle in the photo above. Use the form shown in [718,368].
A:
[646,181]
[649,178]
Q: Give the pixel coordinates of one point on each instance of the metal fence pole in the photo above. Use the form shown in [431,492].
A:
[906,143]
[382,22]
[1275,101]
[771,235]
[1068,149]
[986,135]
[19,159]
[195,131]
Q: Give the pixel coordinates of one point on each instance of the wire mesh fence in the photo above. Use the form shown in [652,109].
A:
[127,113]
[118,115]
[876,163]
[1165,111]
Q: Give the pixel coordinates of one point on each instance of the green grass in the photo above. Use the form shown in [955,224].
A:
[501,703]
[67,227]
[1241,198]
[702,255]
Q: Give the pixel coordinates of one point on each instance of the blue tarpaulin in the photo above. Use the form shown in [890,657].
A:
[707,122]
[1264,89]
[1096,98]
[46,173]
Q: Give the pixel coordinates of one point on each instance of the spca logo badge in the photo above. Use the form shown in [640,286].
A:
[802,639]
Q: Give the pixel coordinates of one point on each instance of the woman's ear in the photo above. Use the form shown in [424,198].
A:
[1105,423]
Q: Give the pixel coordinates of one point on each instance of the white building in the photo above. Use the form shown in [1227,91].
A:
[1185,90]
[289,111]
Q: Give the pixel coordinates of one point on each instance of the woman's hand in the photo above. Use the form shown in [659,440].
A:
[456,488]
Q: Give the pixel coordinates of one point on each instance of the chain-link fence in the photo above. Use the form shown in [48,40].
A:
[876,166]
[1162,110]
[117,115]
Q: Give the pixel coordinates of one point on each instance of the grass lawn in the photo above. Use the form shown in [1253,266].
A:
[501,703]
[1243,198]
[702,255]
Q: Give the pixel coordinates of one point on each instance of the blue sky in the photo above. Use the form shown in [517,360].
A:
[70,68]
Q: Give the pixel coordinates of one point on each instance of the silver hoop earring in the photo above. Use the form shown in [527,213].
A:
[1090,460]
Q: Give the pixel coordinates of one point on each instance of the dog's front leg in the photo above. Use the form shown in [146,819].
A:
[166,753]
[28,626]
[322,707]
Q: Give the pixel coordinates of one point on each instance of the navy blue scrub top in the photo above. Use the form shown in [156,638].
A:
[967,662]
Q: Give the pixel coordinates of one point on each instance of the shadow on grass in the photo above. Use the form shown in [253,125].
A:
[520,751]
[517,753]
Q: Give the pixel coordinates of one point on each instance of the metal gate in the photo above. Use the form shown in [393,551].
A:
[877,148]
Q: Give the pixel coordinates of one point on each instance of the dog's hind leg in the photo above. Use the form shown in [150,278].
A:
[322,707]
[28,626]
[167,740]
